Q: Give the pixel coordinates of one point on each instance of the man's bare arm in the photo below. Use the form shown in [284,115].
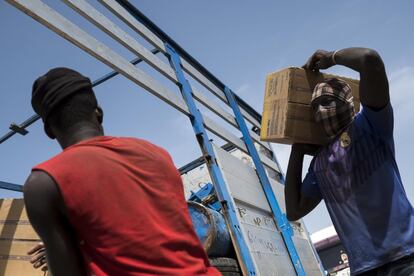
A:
[297,205]
[46,213]
[373,86]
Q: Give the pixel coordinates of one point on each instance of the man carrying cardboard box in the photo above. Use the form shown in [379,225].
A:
[356,173]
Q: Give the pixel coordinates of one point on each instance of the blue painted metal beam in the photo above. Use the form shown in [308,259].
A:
[223,193]
[11,186]
[280,218]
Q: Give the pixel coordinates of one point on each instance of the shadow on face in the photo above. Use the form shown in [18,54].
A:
[332,114]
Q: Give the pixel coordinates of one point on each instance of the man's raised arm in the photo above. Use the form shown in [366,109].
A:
[373,86]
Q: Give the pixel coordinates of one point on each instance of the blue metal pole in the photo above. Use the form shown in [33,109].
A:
[280,218]
[228,206]
[11,186]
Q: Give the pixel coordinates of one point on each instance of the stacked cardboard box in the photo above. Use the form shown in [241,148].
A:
[16,238]
[287,116]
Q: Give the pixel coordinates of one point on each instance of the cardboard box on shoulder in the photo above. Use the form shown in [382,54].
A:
[287,116]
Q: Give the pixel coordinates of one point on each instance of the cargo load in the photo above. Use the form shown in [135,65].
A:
[287,116]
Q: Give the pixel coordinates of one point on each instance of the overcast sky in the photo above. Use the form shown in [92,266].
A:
[239,41]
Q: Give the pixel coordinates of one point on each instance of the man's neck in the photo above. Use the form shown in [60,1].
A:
[79,135]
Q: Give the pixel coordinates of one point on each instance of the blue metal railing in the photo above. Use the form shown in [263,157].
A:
[11,186]
[223,193]
[280,218]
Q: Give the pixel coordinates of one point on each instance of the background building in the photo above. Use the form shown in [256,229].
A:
[331,252]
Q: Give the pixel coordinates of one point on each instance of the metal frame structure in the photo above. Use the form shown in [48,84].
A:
[279,217]
[196,118]
[11,186]
[182,67]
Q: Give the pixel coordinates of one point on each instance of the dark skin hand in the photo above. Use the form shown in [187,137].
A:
[374,94]
[38,253]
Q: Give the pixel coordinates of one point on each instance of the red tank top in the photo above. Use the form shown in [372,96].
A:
[125,200]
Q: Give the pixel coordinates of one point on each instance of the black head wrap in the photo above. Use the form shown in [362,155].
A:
[55,86]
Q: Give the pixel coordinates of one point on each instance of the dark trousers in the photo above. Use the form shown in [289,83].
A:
[401,267]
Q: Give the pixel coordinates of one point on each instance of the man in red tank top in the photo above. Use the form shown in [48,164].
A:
[106,205]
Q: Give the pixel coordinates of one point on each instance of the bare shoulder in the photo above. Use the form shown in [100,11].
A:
[41,194]
[40,183]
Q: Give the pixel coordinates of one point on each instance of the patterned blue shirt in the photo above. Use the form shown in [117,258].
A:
[358,178]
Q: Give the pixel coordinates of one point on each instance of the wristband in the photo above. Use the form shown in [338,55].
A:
[333,57]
